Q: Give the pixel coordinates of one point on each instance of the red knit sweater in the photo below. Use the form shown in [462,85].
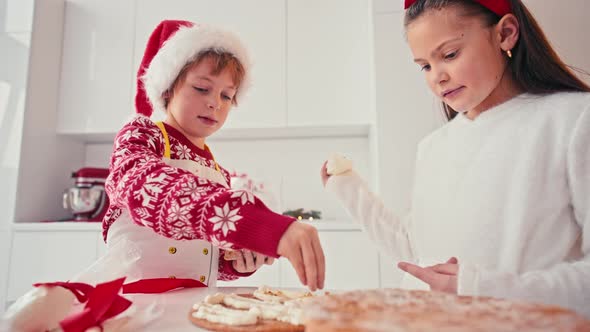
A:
[178,204]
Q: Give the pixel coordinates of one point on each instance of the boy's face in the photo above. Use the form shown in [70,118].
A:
[459,56]
[200,102]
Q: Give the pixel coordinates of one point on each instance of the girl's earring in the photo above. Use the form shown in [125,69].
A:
[509,53]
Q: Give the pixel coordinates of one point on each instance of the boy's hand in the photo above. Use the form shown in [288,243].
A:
[246,261]
[300,244]
[440,277]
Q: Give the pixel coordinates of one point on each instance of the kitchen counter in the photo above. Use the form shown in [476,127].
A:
[175,306]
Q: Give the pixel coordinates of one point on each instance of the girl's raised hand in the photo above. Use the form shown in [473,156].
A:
[337,164]
[440,277]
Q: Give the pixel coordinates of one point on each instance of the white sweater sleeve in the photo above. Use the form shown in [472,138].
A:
[566,284]
[383,227]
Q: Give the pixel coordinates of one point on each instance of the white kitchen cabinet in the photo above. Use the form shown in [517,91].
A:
[351,262]
[45,256]
[61,251]
[312,60]
[329,62]
[261,26]
[97,66]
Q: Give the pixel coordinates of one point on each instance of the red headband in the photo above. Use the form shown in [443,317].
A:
[500,7]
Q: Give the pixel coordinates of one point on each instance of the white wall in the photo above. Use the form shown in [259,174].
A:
[46,158]
[15,35]
[567,26]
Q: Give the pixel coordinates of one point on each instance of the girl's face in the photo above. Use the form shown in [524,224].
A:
[461,58]
[200,102]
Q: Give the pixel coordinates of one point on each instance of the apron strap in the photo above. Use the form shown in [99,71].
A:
[160,125]
[215,162]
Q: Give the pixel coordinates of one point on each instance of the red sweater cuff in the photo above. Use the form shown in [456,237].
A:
[261,229]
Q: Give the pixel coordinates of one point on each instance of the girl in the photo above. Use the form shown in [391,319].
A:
[171,203]
[504,187]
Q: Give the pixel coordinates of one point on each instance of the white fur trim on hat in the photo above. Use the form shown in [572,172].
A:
[182,48]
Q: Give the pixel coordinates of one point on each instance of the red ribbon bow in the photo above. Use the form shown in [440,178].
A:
[500,7]
[102,302]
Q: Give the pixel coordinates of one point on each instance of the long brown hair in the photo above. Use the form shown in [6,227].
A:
[535,66]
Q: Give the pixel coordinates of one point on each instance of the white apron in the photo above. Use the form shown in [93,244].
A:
[156,256]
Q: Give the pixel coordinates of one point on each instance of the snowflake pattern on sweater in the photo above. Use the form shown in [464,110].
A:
[178,204]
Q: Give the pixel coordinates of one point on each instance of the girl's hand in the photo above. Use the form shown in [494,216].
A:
[440,277]
[300,244]
[250,261]
[324,173]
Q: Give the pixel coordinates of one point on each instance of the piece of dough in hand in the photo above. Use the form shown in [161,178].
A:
[338,164]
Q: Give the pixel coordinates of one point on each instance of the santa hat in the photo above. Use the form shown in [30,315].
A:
[171,46]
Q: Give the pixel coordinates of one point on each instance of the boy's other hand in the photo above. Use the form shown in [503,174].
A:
[249,261]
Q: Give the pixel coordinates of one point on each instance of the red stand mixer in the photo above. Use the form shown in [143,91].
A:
[87,200]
